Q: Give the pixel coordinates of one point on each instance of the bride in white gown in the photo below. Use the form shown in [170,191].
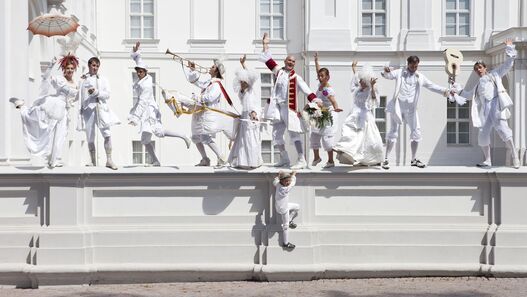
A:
[246,150]
[361,142]
[45,123]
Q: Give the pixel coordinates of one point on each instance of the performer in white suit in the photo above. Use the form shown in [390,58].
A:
[246,150]
[403,105]
[45,123]
[490,108]
[206,123]
[145,111]
[94,95]
[282,109]
[361,142]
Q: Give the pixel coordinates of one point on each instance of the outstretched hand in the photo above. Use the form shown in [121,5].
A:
[136,46]
[373,81]
[508,41]
[354,66]
[242,60]
[316,56]
[191,65]
[265,41]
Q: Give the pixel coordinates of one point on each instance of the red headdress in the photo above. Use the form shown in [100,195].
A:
[68,59]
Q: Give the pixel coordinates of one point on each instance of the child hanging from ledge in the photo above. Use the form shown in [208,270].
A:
[284,182]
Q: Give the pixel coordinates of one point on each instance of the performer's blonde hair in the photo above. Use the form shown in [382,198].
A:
[366,74]
[248,76]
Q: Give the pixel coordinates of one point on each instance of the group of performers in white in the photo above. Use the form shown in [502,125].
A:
[45,122]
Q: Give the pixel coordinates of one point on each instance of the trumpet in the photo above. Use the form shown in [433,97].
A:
[199,68]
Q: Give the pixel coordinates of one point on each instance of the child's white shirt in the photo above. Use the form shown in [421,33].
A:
[282,195]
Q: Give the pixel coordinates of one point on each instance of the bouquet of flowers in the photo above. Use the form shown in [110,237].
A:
[317,115]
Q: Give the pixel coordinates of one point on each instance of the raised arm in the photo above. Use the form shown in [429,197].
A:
[433,87]
[511,53]
[317,65]
[388,73]
[242,61]
[267,57]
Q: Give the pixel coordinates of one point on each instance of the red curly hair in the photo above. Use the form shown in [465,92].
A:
[68,59]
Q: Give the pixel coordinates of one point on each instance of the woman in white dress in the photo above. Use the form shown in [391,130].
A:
[361,142]
[327,134]
[145,111]
[246,150]
[45,123]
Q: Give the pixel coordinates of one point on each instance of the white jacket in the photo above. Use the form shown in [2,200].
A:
[107,117]
[393,105]
[505,101]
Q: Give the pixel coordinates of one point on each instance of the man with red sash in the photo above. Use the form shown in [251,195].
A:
[282,109]
[207,123]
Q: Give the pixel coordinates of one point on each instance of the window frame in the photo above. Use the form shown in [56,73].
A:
[144,154]
[457,11]
[457,120]
[271,15]
[373,11]
[128,22]
[384,120]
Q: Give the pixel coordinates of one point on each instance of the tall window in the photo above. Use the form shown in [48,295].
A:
[457,20]
[373,17]
[380,118]
[272,14]
[142,19]
[458,124]
[139,155]
[267,87]
[270,154]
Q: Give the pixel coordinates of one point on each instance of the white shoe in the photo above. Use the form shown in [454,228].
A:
[484,164]
[315,162]
[284,160]
[17,102]
[516,163]
[329,165]
[204,162]
[111,165]
[221,163]
[300,164]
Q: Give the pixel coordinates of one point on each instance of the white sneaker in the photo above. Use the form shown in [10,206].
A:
[110,164]
[17,102]
[315,162]
[329,165]
[221,163]
[284,160]
[484,164]
[204,162]
[516,163]
[300,164]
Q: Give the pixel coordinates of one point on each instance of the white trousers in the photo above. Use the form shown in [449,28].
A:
[280,126]
[493,121]
[411,118]
[89,116]
[293,209]
[328,141]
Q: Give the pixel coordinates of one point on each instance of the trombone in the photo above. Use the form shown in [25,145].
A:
[199,68]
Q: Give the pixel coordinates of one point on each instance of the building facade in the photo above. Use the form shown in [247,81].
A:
[375,32]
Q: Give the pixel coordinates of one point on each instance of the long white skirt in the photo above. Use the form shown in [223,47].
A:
[360,145]
[246,151]
[44,127]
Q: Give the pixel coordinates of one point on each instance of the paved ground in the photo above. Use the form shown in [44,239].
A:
[399,287]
